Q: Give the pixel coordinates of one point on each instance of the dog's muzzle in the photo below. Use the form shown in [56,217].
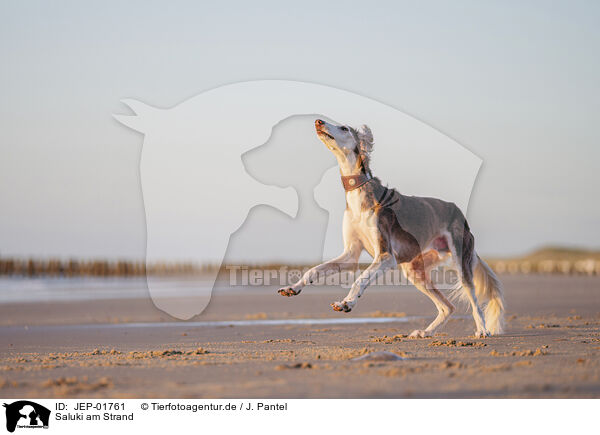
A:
[319,125]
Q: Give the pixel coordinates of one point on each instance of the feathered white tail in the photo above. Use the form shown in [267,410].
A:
[489,288]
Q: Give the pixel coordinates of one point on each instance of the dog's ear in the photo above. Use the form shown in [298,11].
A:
[366,138]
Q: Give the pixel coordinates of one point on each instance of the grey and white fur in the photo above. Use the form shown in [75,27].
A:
[414,233]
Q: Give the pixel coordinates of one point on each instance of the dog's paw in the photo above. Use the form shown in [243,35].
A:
[419,333]
[341,306]
[288,291]
[482,334]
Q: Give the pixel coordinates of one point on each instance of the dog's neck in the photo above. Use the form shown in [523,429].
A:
[351,164]
[355,174]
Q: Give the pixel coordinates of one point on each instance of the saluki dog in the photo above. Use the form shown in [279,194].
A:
[416,233]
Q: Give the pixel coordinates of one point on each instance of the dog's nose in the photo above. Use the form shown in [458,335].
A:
[319,122]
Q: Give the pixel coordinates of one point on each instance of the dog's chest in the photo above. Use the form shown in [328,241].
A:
[363,220]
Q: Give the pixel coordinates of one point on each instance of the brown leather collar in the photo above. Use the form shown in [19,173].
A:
[352,182]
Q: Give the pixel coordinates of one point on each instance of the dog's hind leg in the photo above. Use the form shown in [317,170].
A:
[481,331]
[381,263]
[445,310]
[462,249]
[418,272]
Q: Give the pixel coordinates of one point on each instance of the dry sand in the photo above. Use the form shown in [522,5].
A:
[91,349]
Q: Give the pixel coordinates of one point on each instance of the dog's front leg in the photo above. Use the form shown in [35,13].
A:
[348,261]
[381,263]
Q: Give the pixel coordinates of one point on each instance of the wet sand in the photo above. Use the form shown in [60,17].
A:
[244,346]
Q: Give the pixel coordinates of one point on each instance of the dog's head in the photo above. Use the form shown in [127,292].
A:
[344,141]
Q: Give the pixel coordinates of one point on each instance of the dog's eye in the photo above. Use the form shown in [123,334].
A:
[344,128]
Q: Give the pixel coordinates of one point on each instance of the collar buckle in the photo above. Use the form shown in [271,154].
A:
[352,182]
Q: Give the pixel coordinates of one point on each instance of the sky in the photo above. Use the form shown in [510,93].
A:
[516,83]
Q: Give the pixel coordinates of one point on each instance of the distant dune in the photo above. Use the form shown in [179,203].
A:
[558,253]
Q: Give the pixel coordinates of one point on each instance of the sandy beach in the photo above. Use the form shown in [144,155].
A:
[251,342]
